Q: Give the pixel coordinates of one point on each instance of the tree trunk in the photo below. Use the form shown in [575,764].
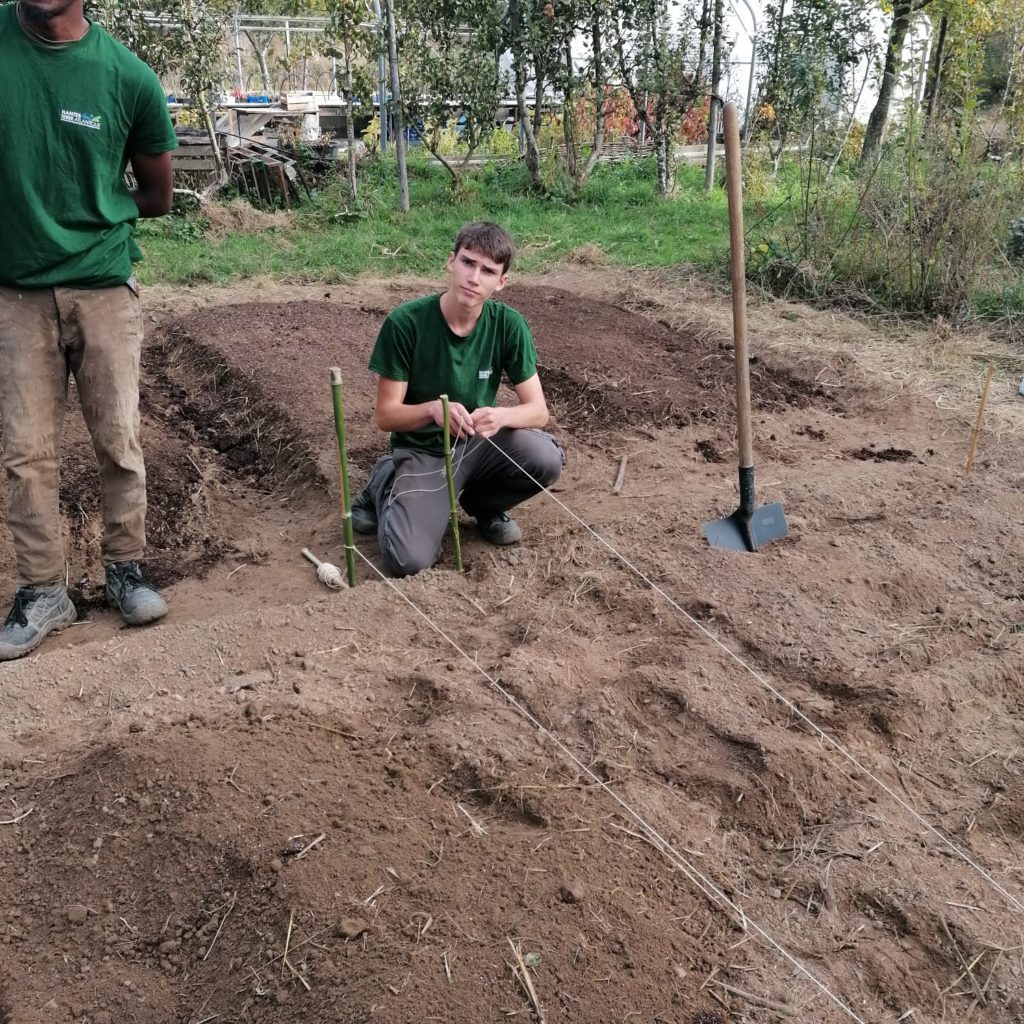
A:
[666,162]
[599,100]
[569,114]
[350,128]
[532,150]
[396,99]
[879,118]
[518,47]
[934,87]
[664,147]
[261,47]
[538,101]
[202,101]
[704,26]
[716,83]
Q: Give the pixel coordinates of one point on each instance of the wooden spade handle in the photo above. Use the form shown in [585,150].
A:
[734,188]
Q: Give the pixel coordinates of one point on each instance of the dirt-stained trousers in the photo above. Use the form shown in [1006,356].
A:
[46,335]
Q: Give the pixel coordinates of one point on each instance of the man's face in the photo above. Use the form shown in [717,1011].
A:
[45,10]
[475,277]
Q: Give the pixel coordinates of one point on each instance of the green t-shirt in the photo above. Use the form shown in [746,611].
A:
[416,344]
[69,119]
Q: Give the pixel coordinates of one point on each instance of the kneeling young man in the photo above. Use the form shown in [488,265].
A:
[458,343]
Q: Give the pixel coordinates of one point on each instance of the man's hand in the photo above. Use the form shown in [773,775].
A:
[488,421]
[460,420]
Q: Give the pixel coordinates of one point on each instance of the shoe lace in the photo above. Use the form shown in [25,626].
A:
[129,575]
[22,599]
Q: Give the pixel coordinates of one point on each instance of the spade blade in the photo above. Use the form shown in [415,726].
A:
[748,533]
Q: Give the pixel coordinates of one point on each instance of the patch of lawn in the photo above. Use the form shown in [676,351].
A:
[617,210]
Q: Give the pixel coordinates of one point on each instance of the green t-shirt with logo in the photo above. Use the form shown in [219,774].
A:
[70,116]
[416,344]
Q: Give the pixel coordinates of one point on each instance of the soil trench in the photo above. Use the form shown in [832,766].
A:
[285,804]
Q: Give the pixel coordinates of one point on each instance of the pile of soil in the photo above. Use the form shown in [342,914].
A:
[285,805]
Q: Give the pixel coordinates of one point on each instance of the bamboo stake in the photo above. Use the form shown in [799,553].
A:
[451,483]
[346,498]
[977,423]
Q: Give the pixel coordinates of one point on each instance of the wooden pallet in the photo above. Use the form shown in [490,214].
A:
[193,162]
[263,173]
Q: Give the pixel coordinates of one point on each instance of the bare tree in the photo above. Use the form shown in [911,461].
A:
[903,13]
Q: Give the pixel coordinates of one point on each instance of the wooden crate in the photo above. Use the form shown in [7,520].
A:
[193,161]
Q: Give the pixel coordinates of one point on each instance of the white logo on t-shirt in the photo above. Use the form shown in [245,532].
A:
[94,121]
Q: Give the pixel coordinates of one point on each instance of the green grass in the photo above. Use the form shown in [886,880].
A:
[617,210]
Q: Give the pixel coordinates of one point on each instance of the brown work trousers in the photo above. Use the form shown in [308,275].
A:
[47,334]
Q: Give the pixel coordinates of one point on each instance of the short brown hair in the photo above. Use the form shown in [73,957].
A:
[489,240]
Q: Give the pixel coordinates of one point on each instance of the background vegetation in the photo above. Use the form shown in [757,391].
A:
[913,201]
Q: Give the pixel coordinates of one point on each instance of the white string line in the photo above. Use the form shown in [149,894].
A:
[778,695]
[663,845]
[461,455]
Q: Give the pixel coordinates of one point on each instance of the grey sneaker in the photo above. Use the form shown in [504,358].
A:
[499,529]
[38,610]
[136,600]
[364,504]
[364,512]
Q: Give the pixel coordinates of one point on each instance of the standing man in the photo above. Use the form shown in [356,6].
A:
[458,343]
[75,107]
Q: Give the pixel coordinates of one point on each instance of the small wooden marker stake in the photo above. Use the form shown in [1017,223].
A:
[451,483]
[977,423]
[346,498]
[621,475]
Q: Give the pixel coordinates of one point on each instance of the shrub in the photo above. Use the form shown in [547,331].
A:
[923,231]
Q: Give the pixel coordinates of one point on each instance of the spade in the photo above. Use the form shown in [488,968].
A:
[749,528]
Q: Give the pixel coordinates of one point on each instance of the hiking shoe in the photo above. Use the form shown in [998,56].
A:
[38,610]
[364,505]
[364,512]
[499,529]
[135,599]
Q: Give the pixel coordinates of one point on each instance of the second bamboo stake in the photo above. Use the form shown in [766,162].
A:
[976,433]
[451,483]
[346,498]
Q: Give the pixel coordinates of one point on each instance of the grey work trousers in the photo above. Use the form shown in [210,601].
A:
[46,334]
[410,490]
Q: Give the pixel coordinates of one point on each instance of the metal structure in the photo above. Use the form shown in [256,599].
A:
[302,25]
[752,36]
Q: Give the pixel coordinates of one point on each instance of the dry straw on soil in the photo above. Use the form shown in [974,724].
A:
[239,217]
[589,254]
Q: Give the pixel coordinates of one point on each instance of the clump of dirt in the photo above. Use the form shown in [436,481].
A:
[871,454]
[709,451]
[812,433]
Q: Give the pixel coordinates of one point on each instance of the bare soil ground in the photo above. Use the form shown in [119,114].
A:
[285,804]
